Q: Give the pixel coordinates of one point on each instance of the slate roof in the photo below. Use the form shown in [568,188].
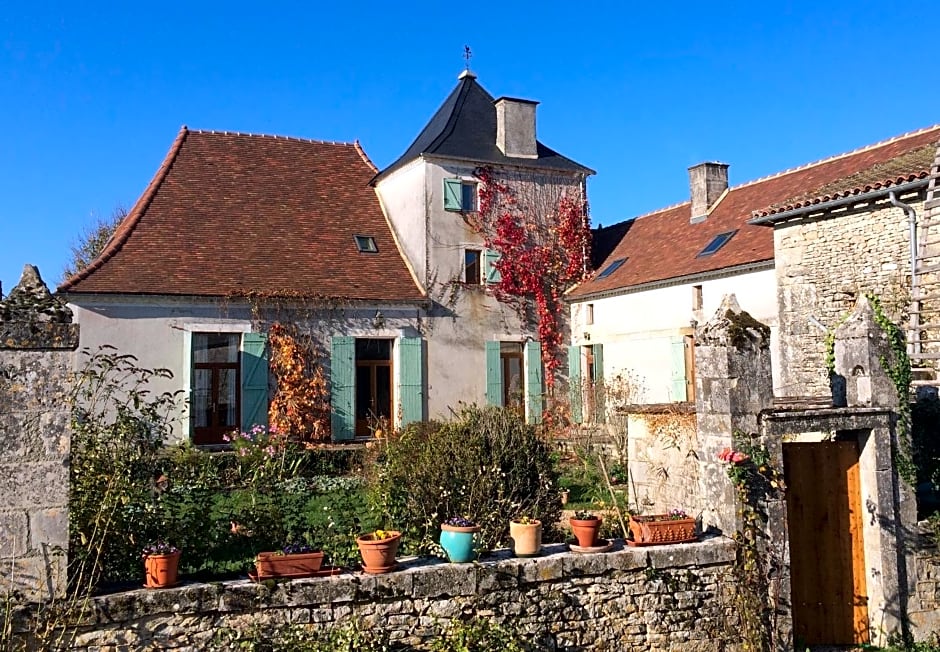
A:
[663,245]
[229,214]
[465,128]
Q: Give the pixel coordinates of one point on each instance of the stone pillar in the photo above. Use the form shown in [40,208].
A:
[36,343]
[733,383]
[890,506]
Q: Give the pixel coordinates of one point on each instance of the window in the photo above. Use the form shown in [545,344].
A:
[366,244]
[460,195]
[510,358]
[471,266]
[216,379]
[373,383]
[588,314]
[696,297]
[610,269]
[717,243]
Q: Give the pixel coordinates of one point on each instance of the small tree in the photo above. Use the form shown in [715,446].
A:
[91,241]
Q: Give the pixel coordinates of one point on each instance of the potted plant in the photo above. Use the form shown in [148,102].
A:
[585,526]
[674,527]
[526,535]
[292,561]
[378,550]
[161,565]
[458,536]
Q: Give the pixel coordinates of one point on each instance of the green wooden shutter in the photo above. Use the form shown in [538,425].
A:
[254,370]
[574,382]
[494,375]
[678,369]
[533,385]
[411,379]
[490,273]
[452,195]
[600,388]
[343,388]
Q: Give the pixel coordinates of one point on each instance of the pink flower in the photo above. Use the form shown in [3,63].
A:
[738,458]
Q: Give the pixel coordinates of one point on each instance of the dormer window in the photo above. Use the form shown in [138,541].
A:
[717,243]
[366,244]
[460,195]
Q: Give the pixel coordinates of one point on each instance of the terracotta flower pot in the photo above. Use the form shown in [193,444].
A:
[585,530]
[378,555]
[661,528]
[161,570]
[526,538]
[273,564]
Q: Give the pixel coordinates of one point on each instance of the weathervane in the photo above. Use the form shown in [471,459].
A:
[467,54]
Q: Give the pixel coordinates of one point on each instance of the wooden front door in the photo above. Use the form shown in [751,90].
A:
[827,560]
[373,383]
[216,378]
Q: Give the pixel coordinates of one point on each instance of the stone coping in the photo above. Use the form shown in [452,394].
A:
[417,577]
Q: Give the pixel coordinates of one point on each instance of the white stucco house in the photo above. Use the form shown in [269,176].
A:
[380,269]
[660,274]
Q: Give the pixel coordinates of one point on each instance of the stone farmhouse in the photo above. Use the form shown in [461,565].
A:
[663,273]
[380,268]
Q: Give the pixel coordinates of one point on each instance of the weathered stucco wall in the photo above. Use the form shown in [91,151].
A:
[661,598]
[822,266]
[637,329]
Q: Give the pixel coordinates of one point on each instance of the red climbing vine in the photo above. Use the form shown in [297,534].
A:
[539,227]
[300,407]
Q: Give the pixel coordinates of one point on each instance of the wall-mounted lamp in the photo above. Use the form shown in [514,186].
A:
[587,336]
[379,320]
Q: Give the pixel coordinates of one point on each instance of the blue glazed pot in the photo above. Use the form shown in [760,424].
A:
[458,542]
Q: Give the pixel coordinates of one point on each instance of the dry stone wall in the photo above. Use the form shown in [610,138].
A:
[823,266]
[659,598]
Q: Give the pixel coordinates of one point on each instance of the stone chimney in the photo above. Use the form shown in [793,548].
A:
[707,181]
[515,127]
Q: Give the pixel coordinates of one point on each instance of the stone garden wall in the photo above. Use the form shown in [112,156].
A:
[674,597]
[36,344]
[823,266]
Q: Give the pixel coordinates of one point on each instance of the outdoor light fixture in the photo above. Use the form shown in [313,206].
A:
[379,320]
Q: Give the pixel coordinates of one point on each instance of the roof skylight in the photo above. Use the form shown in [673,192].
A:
[610,269]
[717,243]
[366,244]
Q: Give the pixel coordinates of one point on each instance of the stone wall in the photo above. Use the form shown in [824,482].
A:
[923,607]
[822,267]
[674,597]
[36,343]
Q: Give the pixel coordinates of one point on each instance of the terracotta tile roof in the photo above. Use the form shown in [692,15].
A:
[663,245]
[230,214]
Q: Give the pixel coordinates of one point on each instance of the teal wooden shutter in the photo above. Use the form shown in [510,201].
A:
[343,388]
[533,385]
[254,370]
[600,388]
[574,382]
[490,274]
[452,195]
[411,379]
[494,375]
[677,349]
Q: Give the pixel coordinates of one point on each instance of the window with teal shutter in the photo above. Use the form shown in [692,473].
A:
[574,382]
[600,399]
[411,379]
[254,370]
[491,274]
[677,355]
[453,195]
[494,375]
[534,386]
[343,388]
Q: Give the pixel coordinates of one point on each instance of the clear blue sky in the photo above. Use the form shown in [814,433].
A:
[92,94]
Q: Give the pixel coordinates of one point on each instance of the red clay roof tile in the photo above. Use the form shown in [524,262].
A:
[230,214]
[664,245]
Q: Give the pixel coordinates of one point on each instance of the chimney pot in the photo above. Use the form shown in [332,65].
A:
[515,127]
[707,182]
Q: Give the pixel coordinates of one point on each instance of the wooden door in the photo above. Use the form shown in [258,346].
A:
[827,560]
